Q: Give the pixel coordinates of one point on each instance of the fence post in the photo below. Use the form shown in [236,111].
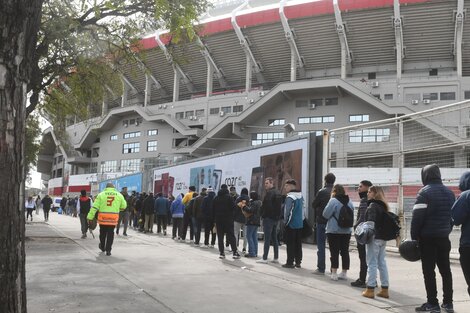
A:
[401,165]
[326,152]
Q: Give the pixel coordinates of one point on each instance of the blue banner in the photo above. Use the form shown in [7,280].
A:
[132,182]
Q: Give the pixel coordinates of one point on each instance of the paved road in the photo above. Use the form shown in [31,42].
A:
[151,273]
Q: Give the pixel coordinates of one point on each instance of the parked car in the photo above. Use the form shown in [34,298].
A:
[56,204]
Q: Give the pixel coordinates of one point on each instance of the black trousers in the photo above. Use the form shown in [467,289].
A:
[177,226]
[293,240]
[208,227]
[361,249]
[84,223]
[339,244]
[225,227]
[465,264]
[161,223]
[46,214]
[187,222]
[106,237]
[435,251]
[197,225]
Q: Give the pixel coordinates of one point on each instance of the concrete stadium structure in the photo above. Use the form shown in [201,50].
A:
[259,66]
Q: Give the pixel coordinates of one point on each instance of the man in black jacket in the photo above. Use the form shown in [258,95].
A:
[431,225]
[148,210]
[224,207]
[361,217]
[321,200]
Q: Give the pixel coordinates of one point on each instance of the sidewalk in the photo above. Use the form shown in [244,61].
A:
[151,273]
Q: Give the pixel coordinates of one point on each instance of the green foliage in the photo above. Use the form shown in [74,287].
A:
[33,131]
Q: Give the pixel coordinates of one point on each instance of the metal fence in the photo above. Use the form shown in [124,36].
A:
[391,153]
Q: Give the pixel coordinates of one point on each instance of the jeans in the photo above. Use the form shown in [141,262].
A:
[225,227]
[161,223]
[465,264]
[361,249]
[375,253]
[251,236]
[106,237]
[177,226]
[197,225]
[208,231]
[84,223]
[237,228]
[321,241]
[269,229]
[293,240]
[435,251]
[124,219]
[29,212]
[339,244]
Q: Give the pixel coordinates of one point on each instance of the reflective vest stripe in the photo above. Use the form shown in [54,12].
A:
[108,218]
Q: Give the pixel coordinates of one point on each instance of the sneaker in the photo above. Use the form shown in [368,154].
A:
[334,276]
[99,246]
[83,236]
[124,234]
[448,307]
[108,253]
[318,272]
[287,265]
[247,255]
[211,246]
[298,265]
[343,276]
[236,255]
[222,256]
[262,261]
[428,307]
[205,246]
[358,283]
[275,261]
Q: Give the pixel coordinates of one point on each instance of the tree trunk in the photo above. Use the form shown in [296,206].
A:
[19,25]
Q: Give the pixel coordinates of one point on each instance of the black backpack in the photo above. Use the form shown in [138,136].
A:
[391,226]
[346,217]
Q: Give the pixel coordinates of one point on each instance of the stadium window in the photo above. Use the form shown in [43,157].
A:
[277,122]
[328,119]
[108,166]
[59,172]
[316,120]
[131,135]
[316,102]
[431,96]
[152,145]
[304,120]
[433,72]
[178,141]
[388,96]
[187,114]
[301,103]
[316,132]
[95,152]
[132,165]
[59,159]
[466,95]
[152,132]
[200,112]
[53,174]
[260,138]
[331,101]
[447,96]
[179,115]
[133,147]
[237,108]
[113,137]
[226,110]
[214,111]
[125,123]
[369,135]
[359,118]
[132,121]
[372,75]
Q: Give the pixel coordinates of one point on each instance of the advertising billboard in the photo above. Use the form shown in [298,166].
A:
[132,182]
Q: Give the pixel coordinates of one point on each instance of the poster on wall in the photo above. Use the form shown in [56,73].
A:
[246,169]
[132,182]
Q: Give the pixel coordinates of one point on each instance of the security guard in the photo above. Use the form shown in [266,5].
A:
[108,204]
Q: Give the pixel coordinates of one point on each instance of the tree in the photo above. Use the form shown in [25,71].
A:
[41,41]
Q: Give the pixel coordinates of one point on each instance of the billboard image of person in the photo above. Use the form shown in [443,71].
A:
[283,166]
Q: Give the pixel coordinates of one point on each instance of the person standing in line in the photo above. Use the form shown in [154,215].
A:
[177,213]
[338,237]
[271,212]
[124,214]
[209,219]
[148,210]
[238,217]
[293,216]
[251,211]
[321,200]
[107,204]
[198,215]
[131,207]
[187,219]
[461,216]
[431,225]
[224,206]
[30,205]
[361,217]
[138,213]
[84,205]
[38,204]
[162,205]
[63,204]
[46,206]
[375,250]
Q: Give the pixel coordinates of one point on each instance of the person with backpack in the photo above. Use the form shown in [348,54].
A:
[375,250]
[84,205]
[431,225]
[30,206]
[321,200]
[293,217]
[46,206]
[461,216]
[340,215]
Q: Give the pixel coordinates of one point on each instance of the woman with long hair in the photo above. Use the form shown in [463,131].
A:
[375,250]
[338,237]
[30,205]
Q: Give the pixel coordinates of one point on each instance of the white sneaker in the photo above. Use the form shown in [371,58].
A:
[343,276]
[334,276]
[211,246]
[275,261]
[318,272]
[205,247]
[262,261]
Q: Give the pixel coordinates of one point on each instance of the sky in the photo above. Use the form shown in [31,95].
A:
[35,176]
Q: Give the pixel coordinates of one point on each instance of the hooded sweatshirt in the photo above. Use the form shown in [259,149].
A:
[207,206]
[177,207]
[461,210]
[224,206]
[294,210]
[432,209]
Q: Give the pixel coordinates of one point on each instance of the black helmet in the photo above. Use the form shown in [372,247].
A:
[409,250]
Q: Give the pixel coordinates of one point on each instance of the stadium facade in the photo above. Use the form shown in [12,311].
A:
[262,72]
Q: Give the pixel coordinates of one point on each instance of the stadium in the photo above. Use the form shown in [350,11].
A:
[261,71]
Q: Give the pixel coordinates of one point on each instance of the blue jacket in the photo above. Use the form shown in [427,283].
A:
[461,210]
[177,207]
[432,209]
[162,205]
[294,210]
[332,210]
